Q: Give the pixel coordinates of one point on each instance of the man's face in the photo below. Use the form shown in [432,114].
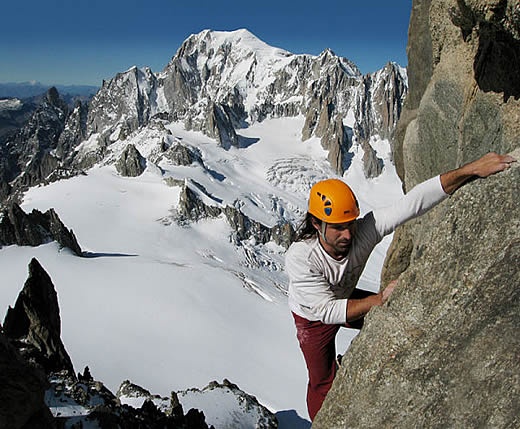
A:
[337,238]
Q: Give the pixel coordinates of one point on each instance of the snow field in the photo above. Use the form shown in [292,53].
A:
[172,307]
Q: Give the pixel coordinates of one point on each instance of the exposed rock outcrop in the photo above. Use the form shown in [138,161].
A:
[179,154]
[129,95]
[74,132]
[372,165]
[22,402]
[32,146]
[192,208]
[38,151]
[34,323]
[444,351]
[95,405]
[248,411]
[35,228]
[219,126]
[131,163]
[380,103]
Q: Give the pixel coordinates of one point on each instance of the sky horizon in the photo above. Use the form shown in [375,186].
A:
[86,42]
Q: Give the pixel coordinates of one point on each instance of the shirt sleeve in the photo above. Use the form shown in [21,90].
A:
[418,201]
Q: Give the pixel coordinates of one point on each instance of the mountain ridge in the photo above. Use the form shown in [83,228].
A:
[215,88]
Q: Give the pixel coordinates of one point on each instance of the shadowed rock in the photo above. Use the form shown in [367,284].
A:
[34,229]
[131,163]
[22,391]
[34,322]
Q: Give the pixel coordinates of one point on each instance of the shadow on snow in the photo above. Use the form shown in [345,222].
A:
[289,419]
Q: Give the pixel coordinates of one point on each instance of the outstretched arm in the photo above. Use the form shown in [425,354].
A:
[489,164]
[452,180]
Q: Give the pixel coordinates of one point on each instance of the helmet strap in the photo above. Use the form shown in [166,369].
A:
[323,231]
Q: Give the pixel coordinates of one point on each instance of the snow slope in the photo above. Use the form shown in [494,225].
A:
[172,307]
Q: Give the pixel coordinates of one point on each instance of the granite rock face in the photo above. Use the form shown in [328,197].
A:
[35,322]
[22,394]
[131,163]
[443,352]
[35,228]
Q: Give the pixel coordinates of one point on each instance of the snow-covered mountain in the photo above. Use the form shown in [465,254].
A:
[220,82]
[193,182]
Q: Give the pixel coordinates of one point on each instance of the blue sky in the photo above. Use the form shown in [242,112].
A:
[86,41]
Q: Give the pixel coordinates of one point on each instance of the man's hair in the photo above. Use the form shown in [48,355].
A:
[306,229]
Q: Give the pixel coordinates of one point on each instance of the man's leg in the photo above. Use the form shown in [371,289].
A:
[318,344]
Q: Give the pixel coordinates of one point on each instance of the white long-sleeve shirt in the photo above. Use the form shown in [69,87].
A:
[319,285]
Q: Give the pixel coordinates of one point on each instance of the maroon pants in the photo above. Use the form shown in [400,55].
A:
[318,344]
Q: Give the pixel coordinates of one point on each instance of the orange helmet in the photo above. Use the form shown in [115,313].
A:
[333,201]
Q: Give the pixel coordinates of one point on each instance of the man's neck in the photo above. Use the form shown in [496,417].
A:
[338,256]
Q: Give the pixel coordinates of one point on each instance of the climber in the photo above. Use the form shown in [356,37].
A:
[332,246]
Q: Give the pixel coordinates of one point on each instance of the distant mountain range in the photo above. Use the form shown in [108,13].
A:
[218,83]
[31,89]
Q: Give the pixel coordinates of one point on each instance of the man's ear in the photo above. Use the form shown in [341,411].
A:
[316,224]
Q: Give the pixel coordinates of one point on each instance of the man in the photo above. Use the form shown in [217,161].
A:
[330,252]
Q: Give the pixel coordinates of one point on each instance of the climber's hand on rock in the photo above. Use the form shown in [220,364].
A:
[491,163]
[385,294]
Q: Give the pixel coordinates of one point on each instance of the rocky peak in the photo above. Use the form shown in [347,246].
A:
[248,411]
[34,322]
[131,163]
[380,103]
[53,98]
[35,228]
[219,82]
[130,96]
[75,131]
[329,58]
[30,155]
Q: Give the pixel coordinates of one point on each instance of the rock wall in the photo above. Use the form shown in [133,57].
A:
[22,394]
[444,351]
[35,228]
[34,323]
